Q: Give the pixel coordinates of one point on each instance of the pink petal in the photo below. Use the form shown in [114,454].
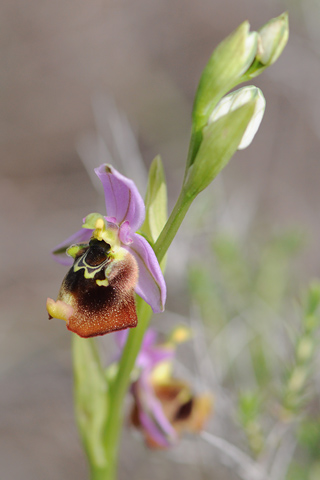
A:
[59,253]
[123,201]
[151,415]
[151,284]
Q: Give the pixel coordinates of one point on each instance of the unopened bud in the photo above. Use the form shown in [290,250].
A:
[235,100]
[272,39]
[229,61]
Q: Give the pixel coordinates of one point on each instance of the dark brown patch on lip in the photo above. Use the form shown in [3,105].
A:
[100,309]
[97,252]
[184,411]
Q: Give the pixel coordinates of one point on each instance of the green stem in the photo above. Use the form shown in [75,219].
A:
[120,385]
[97,473]
[172,226]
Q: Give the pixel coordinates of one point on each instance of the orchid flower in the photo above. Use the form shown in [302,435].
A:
[110,261]
[164,407]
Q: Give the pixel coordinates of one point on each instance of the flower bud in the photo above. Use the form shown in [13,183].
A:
[228,63]
[235,100]
[272,39]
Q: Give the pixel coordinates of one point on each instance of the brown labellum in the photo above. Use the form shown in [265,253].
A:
[99,303]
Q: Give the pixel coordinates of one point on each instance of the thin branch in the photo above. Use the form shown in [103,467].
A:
[248,469]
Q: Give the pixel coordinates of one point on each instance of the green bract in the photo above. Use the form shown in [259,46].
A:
[155,201]
[221,139]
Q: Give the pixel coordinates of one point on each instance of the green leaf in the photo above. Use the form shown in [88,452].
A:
[91,397]
[156,201]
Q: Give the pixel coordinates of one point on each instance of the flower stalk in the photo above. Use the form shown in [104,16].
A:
[111,260]
[173,224]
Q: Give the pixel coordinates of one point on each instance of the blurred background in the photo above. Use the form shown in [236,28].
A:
[74,72]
